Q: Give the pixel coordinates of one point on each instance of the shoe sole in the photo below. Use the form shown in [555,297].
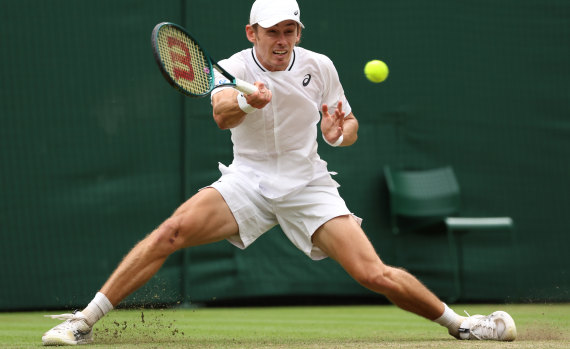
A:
[60,341]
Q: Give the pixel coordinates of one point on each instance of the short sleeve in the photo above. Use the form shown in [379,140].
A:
[333,91]
[233,65]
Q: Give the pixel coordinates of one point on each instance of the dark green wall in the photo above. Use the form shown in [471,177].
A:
[96,149]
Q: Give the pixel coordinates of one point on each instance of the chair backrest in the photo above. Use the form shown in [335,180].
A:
[423,193]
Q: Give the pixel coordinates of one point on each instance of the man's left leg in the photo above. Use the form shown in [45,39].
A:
[343,240]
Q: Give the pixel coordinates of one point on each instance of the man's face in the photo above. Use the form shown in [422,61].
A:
[274,45]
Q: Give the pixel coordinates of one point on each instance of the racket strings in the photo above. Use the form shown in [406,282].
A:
[184,61]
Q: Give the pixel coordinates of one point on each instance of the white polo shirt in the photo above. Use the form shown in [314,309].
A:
[277,146]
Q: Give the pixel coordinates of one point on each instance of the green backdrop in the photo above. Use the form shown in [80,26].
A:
[96,149]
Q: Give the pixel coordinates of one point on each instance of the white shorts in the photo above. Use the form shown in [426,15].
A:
[300,214]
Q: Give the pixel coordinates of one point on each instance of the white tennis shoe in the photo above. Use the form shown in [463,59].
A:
[74,330]
[498,326]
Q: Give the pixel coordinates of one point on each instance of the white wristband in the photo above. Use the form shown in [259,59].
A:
[335,144]
[243,105]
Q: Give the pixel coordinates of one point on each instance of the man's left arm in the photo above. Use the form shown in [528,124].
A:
[350,130]
[337,125]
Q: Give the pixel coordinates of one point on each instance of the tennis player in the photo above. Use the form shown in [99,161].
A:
[277,177]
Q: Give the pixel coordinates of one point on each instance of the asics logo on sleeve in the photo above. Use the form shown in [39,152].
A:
[306,80]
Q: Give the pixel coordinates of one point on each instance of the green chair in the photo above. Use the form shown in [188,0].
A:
[423,199]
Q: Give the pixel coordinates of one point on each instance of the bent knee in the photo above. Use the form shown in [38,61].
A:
[166,239]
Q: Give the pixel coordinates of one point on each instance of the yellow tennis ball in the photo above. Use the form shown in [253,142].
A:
[376,71]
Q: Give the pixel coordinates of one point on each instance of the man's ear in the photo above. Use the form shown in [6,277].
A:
[250,34]
[298,34]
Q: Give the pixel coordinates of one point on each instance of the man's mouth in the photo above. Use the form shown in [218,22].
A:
[280,52]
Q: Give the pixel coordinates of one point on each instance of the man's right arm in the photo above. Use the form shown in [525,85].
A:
[227,111]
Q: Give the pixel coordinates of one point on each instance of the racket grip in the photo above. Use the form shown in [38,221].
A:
[245,87]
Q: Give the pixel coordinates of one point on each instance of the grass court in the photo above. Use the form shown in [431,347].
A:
[382,326]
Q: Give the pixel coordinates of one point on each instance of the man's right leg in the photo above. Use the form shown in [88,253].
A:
[203,219]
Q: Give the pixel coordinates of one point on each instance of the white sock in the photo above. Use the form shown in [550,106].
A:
[98,307]
[451,320]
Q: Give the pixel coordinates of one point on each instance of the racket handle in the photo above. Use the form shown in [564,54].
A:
[245,87]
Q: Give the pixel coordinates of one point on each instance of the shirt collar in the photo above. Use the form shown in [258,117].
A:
[291,63]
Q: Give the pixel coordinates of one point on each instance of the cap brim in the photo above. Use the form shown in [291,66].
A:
[266,23]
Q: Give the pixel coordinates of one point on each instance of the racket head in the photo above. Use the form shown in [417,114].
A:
[182,61]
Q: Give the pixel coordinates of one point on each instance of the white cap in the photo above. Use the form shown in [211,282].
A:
[267,13]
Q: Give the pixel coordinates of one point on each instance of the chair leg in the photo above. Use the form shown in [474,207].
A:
[454,255]
[394,225]
[516,262]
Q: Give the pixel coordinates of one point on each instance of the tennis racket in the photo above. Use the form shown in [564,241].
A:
[186,65]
